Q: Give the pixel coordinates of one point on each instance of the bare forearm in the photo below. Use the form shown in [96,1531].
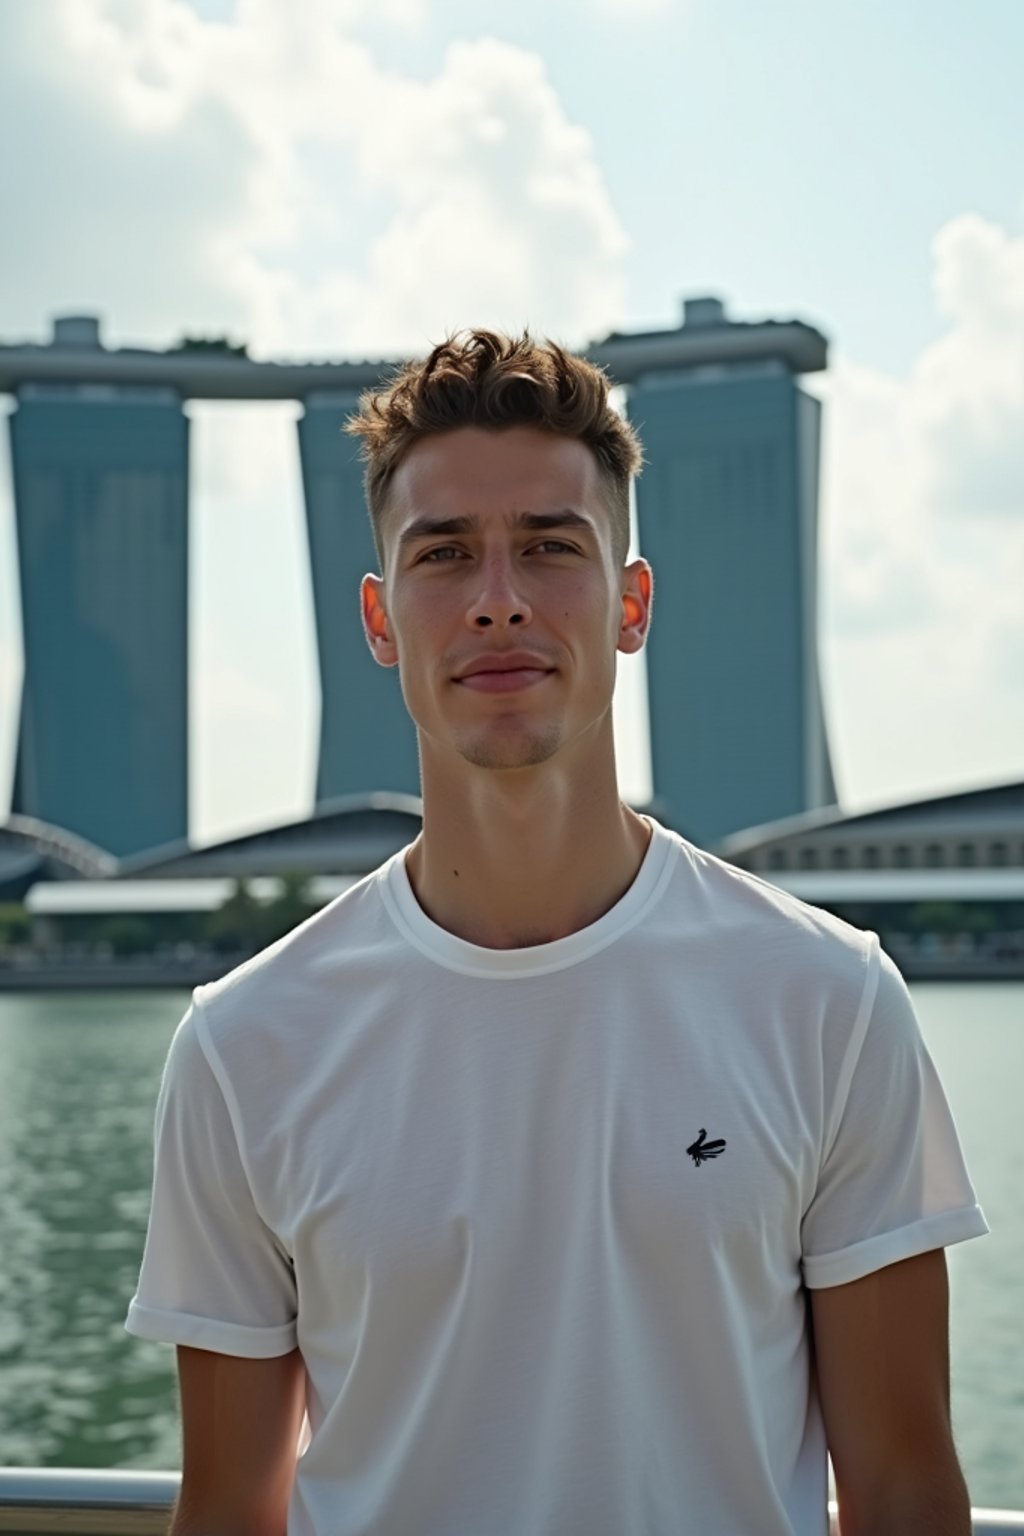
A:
[936,1506]
[189,1519]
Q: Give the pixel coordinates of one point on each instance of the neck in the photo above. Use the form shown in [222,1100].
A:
[523,858]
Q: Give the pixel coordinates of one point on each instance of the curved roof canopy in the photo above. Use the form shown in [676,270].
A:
[352,834]
[32,850]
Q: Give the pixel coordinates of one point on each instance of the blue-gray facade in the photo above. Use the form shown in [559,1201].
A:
[727,516]
[101,498]
[367,740]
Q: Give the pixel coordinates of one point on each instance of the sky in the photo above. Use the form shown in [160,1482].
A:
[353,178]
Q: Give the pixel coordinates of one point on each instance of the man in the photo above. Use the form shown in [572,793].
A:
[570,1180]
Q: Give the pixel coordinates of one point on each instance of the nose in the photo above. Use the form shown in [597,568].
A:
[497,601]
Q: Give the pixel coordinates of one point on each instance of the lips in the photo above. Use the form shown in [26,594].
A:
[508,680]
[508,661]
[504,672]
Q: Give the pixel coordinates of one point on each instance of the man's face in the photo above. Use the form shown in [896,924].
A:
[500,543]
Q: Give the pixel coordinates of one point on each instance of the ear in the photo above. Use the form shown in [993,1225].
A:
[375,622]
[637,600]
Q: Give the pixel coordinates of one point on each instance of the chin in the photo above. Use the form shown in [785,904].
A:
[487,752]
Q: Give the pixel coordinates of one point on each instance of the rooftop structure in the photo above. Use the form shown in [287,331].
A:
[216,370]
[727,513]
[727,510]
[101,510]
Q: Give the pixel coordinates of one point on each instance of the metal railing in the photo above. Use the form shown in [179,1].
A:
[71,1502]
[50,1501]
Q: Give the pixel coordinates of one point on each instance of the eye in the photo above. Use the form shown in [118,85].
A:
[559,544]
[443,549]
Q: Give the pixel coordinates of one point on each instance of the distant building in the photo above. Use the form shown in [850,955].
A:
[100,483]
[727,510]
[940,880]
[367,740]
[939,842]
[33,853]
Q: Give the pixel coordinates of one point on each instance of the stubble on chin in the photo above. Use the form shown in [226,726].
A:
[520,751]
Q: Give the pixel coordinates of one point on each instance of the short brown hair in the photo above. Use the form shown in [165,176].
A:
[482,378]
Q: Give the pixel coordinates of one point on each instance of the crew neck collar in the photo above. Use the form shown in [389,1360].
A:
[458,954]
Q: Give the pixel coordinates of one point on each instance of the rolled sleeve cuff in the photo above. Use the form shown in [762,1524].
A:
[938,1231]
[210,1333]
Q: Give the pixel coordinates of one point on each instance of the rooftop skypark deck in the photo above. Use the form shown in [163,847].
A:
[218,371]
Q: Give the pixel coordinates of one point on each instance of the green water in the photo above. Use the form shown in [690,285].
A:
[78,1081]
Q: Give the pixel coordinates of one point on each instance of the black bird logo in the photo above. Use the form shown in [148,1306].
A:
[700,1150]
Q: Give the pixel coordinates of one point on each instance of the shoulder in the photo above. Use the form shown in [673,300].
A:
[314,966]
[787,979]
[769,925]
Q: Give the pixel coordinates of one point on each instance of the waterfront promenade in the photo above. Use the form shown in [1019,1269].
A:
[929,957]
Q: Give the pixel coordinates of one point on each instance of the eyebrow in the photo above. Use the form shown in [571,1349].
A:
[430,527]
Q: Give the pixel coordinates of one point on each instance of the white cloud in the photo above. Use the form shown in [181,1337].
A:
[971,385]
[110,215]
[502,206]
[923,536]
[235,713]
[871,533]
[979,275]
[255,704]
[265,176]
[268,177]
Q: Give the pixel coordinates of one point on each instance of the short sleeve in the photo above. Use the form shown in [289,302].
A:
[213,1274]
[893,1181]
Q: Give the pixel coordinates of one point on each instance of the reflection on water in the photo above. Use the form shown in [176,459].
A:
[976,1035]
[78,1077]
[78,1083]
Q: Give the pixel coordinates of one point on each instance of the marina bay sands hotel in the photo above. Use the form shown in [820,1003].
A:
[726,513]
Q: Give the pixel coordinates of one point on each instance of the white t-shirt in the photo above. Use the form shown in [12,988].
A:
[540,1220]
